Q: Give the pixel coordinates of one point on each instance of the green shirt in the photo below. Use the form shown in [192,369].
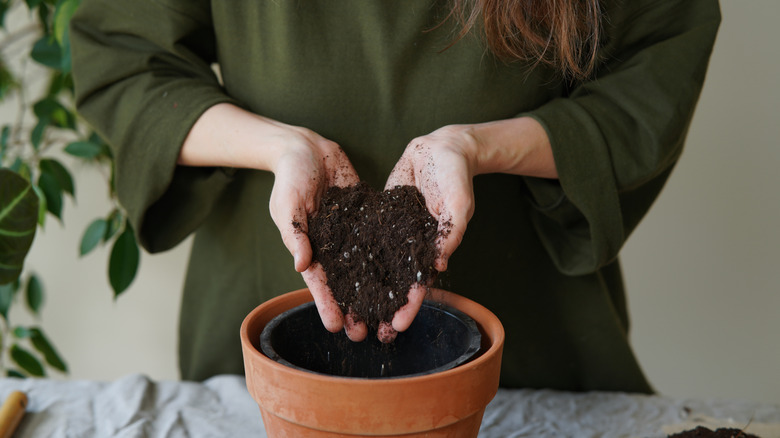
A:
[372,75]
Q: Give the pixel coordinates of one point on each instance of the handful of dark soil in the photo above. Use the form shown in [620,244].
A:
[373,247]
[703,432]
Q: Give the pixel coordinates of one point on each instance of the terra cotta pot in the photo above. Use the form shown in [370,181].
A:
[301,404]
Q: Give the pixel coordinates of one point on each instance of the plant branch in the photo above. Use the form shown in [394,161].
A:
[17,129]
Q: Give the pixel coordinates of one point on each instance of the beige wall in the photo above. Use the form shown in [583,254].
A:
[703,269]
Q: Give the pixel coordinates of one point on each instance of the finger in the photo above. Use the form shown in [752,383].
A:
[293,227]
[343,174]
[356,330]
[300,246]
[401,175]
[452,227]
[404,316]
[346,176]
[329,310]
[450,236]
[386,334]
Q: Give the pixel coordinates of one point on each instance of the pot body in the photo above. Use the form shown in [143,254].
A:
[276,427]
[297,403]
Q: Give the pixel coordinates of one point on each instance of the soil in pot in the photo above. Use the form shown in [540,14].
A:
[703,432]
[373,246]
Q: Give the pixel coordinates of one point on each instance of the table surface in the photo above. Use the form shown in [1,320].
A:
[136,406]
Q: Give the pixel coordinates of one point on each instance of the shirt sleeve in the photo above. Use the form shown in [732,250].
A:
[142,75]
[616,138]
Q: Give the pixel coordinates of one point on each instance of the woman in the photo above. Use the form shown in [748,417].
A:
[549,134]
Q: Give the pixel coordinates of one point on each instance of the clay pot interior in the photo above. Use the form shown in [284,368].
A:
[440,338]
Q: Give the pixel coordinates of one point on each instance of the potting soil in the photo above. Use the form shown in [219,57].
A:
[373,247]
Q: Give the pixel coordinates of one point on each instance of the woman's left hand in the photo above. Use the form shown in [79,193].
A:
[441,165]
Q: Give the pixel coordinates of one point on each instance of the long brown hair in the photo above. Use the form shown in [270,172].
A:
[561,33]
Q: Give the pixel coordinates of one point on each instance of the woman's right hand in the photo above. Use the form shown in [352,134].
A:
[304,165]
[303,171]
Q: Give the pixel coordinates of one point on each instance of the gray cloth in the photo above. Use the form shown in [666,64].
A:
[135,406]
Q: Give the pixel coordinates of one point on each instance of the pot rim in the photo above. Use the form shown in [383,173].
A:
[490,327]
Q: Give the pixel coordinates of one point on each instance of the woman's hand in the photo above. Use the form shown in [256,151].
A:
[441,165]
[305,169]
[304,165]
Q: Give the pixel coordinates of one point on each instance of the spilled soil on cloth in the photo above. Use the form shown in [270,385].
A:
[703,432]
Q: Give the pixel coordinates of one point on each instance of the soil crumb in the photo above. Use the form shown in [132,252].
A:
[373,247]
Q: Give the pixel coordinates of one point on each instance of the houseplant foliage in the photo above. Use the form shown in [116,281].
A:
[36,151]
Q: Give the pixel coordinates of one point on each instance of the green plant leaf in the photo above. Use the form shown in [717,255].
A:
[67,63]
[62,15]
[35,294]
[4,6]
[112,180]
[46,51]
[60,173]
[84,149]
[27,361]
[51,110]
[15,373]
[4,135]
[7,81]
[7,292]
[36,136]
[94,137]
[21,332]
[46,348]
[32,4]
[16,165]
[59,82]
[93,235]
[105,149]
[42,207]
[123,263]
[43,16]
[53,193]
[18,218]
[114,220]
[24,171]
